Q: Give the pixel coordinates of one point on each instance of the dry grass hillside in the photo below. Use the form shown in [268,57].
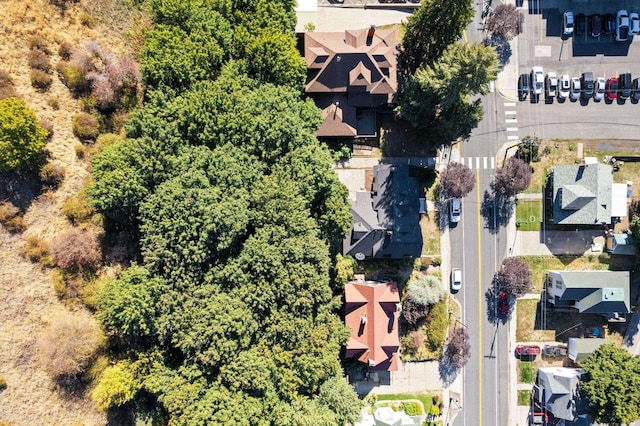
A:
[27,299]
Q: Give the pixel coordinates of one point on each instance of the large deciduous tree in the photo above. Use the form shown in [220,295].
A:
[435,26]
[612,385]
[21,138]
[505,21]
[514,176]
[456,180]
[436,98]
[458,348]
[425,290]
[514,276]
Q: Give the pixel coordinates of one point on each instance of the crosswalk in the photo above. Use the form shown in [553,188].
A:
[476,163]
[510,120]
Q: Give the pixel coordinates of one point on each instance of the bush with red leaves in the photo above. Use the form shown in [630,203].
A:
[76,249]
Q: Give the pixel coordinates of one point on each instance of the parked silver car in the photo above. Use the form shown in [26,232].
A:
[575,89]
[598,93]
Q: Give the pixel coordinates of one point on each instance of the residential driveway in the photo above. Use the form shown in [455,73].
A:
[559,243]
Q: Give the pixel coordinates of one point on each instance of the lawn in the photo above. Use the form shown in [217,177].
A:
[540,264]
[430,233]
[524,397]
[552,153]
[528,215]
[527,371]
[426,399]
[527,313]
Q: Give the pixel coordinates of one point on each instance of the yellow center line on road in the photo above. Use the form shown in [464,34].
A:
[479,304]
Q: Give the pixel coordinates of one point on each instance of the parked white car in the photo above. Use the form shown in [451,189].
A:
[567,23]
[575,89]
[537,80]
[551,85]
[564,86]
[635,24]
[622,25]
[598,93]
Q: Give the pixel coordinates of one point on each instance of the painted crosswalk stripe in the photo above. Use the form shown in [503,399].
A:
[470,163]
[477,162]
[512,137]
[512,129]
[511,120]
[484,162]
[510,113]
[493,163]
[509,104]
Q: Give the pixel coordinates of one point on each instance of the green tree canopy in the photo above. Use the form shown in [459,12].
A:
[21,138]
[612,385]
[435,26]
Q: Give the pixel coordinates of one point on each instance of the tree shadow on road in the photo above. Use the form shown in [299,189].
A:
[492,296]
[496,210]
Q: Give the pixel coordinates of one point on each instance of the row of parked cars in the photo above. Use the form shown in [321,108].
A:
[623,24]
[584,87]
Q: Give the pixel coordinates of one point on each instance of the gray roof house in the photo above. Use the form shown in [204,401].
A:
[386,221]
[558,391]
[594,292]
[580,349]
[583,194]
[620,244]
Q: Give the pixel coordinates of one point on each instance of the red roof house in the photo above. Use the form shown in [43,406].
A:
[349,75]
[372,315]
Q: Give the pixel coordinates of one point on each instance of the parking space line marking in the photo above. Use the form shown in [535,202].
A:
[509,104]
[477,162]
[512,137]
[493,162]
[511,120]
[510,113]
[512,129]
[484,162]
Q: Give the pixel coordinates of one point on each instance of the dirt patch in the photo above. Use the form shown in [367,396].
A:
[430,227]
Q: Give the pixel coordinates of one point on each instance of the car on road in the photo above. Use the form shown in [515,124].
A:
[456,279]
[624,86]
[622,25]
[609,26]
[635,89]
[567,23]
[528,350]
[581,24]
[596,25]
[598,93]
[575,89]
[611,88]
[523,86]
[551,85]
[503,303]
[455,210]
[564,86]
[537,80]
[634,26]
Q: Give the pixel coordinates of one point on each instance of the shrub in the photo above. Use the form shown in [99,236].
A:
[68,344]
[86,19]
[80,150]
[3,384]
[417,339]
[53,102]
[412,408]
[11,217]
[413,312]
[51,175]
[64,51]
[37,250]
[22,138]
[73,77]
[37,59]
[438,326]
[85,126]
[425,290]
[7,88]
[117,385]
[47,125]
[76,249]
[77,208]
[59,283]
[37,42]
[40,80]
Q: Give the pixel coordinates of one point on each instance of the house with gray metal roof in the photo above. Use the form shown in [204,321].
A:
[593,292]
[386,220]
[558,392]
[580,349]
[583,194]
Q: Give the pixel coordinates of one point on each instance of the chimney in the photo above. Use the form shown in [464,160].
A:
[363,319]
[372,31]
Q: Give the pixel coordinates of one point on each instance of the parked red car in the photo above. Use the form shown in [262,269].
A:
[526,350]
[611,88]
[503,303]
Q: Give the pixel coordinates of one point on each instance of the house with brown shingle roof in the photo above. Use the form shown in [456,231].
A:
[371,312]
[350,75]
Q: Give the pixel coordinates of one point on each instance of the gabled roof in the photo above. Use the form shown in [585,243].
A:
[582,194]
[580,349]
[386,221]
[599,292]
[372,315]
[561,395]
